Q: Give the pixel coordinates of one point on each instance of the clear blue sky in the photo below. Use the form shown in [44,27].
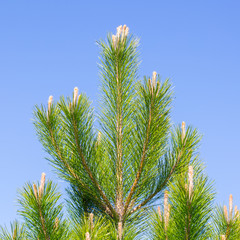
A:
[48,47]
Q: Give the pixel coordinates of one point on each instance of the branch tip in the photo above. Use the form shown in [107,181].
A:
[50,100]
[230,206]
[75,95]
[183,130]
[166,209]
[88,236]
[35,191]
[225,212]
[159,213]
[154,78]
[42,184]
[91,221]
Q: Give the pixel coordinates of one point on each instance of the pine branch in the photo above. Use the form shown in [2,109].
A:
[226,222]
[167,178]
[41,212]
[142,159]
[89,172]
[17,232]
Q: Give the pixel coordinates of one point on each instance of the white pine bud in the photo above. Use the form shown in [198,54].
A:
[126,32]
[235,209]
[183,130]
[56,222]
[35,191]
[230,206]
[166,208]
[119,31]
[91,221]
[167,216]
[50,100]
[223,237]
[236,212]
[42,183]
[154,78]
[123,32]
[114,40]
[88,236]
[99,137]
[159,213]
[75,95]
[225,212]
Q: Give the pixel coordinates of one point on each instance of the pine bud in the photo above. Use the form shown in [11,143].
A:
[119,31]
[42,183]
[225,212]
[190,180]
[99,137]
[159,213]
[236,212]
[91,221]
[87,236]
[123,32]
[56,222]
[223,237]
[35,190]
[126,32]
[183,130]
[75,95]
[114,40]
[230,206]
[166,215]
[50,100]
[154,78]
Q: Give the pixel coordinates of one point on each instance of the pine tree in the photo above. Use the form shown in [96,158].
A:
[119,168]
[128,162]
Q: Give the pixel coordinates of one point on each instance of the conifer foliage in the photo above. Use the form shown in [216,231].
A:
[129,162]
[116,172]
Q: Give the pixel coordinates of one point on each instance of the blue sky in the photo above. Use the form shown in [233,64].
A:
[48,48]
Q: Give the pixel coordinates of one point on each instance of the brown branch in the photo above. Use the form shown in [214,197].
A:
[67,166]
[61,157]
[142,161]
[43,225]
[188,221]
[160,187]
[119,165]
[228,230]
[38,200]
[89,172]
